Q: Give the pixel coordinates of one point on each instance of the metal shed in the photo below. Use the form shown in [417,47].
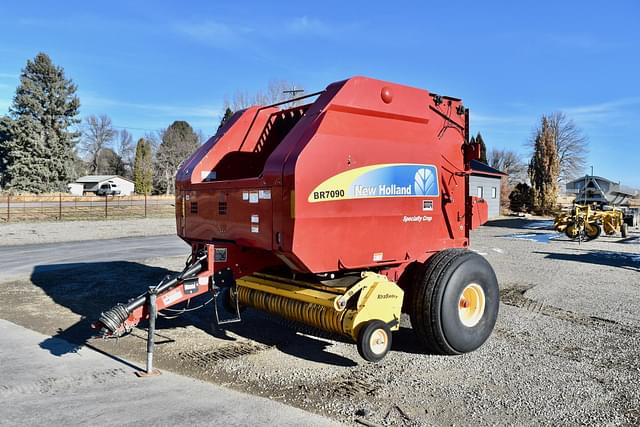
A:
[485,182]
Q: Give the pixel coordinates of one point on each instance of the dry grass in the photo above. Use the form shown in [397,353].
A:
[68,208]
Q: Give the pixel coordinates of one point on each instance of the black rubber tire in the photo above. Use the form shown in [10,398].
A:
[568,233]
[593,236]
[624,229]
[435,298]
[364,340]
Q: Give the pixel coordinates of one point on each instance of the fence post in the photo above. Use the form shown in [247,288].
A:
[8,207]
[105,206]
[60,207]
[145,204]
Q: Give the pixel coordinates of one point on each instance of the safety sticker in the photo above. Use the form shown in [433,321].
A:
[172,297]
[264,194]
[253,197]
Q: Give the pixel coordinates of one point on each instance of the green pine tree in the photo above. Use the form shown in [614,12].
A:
[227,115]
[37,140]
[143,167]
[544,170]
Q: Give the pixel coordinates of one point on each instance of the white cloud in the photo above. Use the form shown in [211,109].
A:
[581,41]
[214,33]
[603,111]
[160,109]
[308,26]
[484,119]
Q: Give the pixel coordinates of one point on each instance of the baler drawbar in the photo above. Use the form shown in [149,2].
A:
[341,214]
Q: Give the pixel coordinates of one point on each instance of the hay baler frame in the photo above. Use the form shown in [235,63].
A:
[340,214]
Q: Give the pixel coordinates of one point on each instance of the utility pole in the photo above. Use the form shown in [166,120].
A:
[293,92]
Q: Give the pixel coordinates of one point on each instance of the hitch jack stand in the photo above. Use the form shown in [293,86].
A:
[153,313]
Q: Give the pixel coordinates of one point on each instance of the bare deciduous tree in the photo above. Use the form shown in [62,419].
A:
[97,134]
[277,91]
[571,144]
[125,151]
[509,162]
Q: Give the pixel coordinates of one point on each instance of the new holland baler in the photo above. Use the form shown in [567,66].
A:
[341,213]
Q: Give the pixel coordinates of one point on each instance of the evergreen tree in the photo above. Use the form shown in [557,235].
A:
[227,115]
[6,130]
[179,141]
[544,169]
[483,149]
[36,140]
[143,167]
[520,198]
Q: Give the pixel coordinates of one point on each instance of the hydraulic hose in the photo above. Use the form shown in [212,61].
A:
[114,318]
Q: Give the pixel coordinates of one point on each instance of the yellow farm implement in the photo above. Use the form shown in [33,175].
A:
[586,223]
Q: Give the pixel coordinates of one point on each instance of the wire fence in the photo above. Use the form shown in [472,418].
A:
[67,208]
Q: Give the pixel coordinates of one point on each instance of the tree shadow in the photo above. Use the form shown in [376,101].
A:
[87,289]
[522,223]
[624,260]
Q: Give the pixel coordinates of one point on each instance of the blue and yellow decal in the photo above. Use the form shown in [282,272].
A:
[383,180]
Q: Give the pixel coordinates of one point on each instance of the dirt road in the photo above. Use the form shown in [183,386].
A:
[21,260]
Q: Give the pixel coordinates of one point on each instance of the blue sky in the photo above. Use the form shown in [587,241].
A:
[146,64]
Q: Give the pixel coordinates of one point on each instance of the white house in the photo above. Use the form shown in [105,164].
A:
[91,184]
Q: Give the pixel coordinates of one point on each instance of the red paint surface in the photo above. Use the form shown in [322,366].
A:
[349,126]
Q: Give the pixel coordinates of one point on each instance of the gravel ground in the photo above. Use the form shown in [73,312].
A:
[24,233]
[564,351]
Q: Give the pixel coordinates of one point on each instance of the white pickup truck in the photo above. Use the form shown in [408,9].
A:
[108,189]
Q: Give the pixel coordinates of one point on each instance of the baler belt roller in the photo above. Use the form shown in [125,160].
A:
[325,308]
[315,315]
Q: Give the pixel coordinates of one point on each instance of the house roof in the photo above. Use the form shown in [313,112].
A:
[588,177]
[479,168]
[98,178]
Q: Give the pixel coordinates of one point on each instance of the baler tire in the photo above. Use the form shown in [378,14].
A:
[367,333]
[435,307]
[624,229]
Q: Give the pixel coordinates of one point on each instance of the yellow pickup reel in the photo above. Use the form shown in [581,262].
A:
[366,312]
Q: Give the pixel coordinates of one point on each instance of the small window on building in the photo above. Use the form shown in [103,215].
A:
[480,192]
[494,192]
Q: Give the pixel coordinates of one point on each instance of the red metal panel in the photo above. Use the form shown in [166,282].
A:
[357,128]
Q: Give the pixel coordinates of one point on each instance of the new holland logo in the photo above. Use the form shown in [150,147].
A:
[381,180]
[424,181]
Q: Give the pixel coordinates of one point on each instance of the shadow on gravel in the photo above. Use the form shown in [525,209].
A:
[87,289]
[405,341]
[624,260]
[528,224]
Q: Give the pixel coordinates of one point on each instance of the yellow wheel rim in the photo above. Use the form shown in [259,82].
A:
[378,341]
[471,305]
